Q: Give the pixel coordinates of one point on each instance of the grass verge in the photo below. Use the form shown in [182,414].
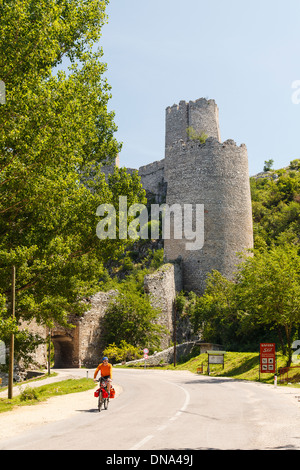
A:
[34,395]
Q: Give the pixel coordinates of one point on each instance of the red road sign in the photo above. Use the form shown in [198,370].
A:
[267,358]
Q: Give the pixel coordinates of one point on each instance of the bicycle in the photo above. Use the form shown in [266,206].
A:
[103,398]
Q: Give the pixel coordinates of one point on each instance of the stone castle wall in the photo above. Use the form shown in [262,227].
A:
[161,287]
[152,178]
[90,329]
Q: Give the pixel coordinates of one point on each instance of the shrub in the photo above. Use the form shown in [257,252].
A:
[295,164]
[29,393]
[124,352]
[194,135]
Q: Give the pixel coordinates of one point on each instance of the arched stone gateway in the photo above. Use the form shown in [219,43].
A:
[66,346]
[64,355]
[82,345]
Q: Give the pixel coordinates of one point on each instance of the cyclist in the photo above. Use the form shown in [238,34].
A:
[105,369]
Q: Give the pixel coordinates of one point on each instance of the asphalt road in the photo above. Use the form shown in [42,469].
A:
[160,410]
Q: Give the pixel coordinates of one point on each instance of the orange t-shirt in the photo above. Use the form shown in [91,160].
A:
[105,370]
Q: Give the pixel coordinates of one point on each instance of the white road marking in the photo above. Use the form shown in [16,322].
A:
[142,442]
[173,418]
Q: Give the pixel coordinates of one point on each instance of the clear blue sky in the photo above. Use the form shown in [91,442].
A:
[243,54]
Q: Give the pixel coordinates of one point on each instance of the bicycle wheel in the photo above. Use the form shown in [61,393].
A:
[100,400]
[105,403]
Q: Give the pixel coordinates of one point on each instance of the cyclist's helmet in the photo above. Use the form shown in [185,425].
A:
[105,358]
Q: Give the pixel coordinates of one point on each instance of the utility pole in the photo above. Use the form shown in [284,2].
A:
[49,351]
[175,327]
[12,338]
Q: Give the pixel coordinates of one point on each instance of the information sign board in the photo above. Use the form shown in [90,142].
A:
[267,358]
[215,357]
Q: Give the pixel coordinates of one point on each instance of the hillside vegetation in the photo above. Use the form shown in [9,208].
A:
[276,206]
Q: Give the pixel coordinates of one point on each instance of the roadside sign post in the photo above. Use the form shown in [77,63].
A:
[215,357]
[175,333]
[267,358]
[145,351]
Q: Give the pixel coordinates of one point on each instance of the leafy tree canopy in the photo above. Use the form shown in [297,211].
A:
[264,299]
[268,288]
[55,134]
[131,318]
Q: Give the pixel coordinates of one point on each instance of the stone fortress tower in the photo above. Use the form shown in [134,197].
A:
[214,174]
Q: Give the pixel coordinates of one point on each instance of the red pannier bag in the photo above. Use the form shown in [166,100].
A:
[112,392]
[96,393]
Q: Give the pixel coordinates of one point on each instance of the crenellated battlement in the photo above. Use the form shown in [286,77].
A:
[210,141]
[199,102]
[201,115]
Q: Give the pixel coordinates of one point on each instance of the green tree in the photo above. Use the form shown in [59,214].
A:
[215,314]
[268,287]
[268,164]
[55,133]
[262,302]
[131,318]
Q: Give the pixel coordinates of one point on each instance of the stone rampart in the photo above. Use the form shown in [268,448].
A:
[91,329]
[162,286]
[152,179]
